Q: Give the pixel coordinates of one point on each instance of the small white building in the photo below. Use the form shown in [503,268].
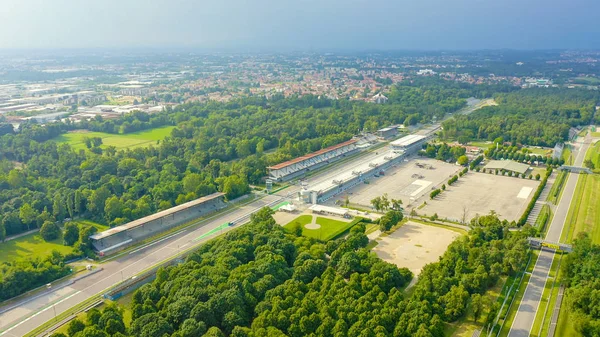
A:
[379,99]
[328,210]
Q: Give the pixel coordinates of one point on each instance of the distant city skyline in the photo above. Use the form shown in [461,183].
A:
[301,25]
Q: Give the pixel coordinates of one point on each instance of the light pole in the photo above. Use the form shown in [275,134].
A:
[54,308]
[122,278]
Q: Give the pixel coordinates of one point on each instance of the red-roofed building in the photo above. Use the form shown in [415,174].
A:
[295,167]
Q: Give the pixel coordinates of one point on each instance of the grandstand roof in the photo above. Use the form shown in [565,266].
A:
[311,155]
[155,216]
[508,165]
[407,140]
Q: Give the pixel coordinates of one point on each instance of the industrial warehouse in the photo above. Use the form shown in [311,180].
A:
[120,237]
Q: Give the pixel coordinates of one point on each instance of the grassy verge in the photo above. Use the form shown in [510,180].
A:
[584,212]
[543,219]
[565,326]
[566,155]
[556,189]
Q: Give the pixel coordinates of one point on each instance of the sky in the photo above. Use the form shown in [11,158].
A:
[301,24]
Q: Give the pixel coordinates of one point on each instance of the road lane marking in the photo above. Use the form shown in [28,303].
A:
[155,242]
[39,312]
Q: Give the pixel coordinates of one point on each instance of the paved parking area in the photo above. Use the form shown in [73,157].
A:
[480,193]
[407,181]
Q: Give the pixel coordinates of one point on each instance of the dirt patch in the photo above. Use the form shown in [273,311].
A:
[414,245]
[312,225]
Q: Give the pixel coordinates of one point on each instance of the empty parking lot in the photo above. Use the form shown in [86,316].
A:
[480,193]
[408,181]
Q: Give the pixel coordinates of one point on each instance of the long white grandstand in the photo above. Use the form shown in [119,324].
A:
[297,166]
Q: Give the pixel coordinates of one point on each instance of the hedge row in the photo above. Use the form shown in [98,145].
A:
[539,190]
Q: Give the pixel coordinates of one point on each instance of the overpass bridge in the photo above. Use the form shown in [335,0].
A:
[575,169]
[541,243]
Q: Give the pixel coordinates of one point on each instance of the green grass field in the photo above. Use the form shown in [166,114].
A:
[596,134]
[329,228]
[584,213]
[130,140]
[33,246]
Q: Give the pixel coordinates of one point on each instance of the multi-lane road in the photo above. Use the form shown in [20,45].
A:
[532,297]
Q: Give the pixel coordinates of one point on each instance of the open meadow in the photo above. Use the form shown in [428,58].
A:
[120,141]
[33,246]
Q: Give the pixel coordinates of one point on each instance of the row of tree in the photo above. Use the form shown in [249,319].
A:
[580,271]
[537,116]
[216,146]
[259,280]
[20,276]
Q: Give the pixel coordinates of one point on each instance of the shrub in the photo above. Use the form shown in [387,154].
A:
[49,231]
[435,193]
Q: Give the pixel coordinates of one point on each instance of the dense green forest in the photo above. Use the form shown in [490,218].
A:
[581,270]
[540,116]
[259,280]
[215,146]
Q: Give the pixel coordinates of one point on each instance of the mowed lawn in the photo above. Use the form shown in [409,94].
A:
[120,141]
[584,213]
[329,228]
[33,246]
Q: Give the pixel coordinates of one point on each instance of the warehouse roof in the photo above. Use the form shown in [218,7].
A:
[508,165]
[155,216]
[407,140]
[311,155]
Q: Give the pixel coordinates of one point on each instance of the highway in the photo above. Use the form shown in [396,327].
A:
[528,307]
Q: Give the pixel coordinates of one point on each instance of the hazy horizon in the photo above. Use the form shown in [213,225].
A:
[300,25]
